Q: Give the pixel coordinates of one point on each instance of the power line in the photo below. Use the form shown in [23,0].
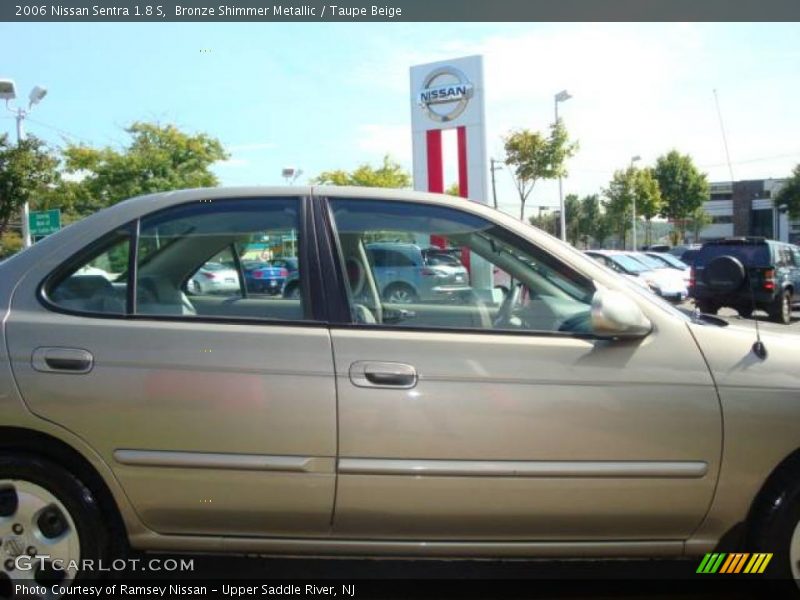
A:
[63,132]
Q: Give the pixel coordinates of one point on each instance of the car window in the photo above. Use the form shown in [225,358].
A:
[751,255]
[509,284]
[211,260]
[628,263]
[96,283]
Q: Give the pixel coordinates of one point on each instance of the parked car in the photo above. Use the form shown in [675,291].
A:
[580,416]
[404,274]
[264,277]
[291,285]
[668,260]
[772,283]
[214,278]
[686,252]
[672,285]
[660,281]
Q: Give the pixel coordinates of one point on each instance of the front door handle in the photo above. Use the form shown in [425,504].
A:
[383,375]
[62,360]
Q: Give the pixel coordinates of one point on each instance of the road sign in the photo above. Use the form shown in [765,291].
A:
[44,222]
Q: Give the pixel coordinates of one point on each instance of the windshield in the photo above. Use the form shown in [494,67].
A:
[648,261]
[628,263]
[668,259]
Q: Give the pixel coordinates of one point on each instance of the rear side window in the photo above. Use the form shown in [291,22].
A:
[751,255]
[98,281]
[197,260]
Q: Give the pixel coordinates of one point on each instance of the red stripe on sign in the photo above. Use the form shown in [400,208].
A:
[435,172]
[463,177]
[435,165]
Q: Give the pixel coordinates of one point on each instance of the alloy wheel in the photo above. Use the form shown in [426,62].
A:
[38,536]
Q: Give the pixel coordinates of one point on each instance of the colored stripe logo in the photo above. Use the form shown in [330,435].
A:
[733,563]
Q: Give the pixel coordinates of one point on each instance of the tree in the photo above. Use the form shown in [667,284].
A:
[159,158]
[592,223]
[26,169]
[648,200]
[683,188]
[532,157]
[573,207]
[389,175]
[452,190]
[789,194]
[698,220]
[548,222]
[619,204]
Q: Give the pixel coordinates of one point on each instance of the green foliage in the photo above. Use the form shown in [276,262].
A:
[619,201]
[697,220]
[593,223]
[159,158]
[549,222]
[389,175]
[683,187]
[26,169]
[10,243]
[453,190]
[790,194]
[532,157]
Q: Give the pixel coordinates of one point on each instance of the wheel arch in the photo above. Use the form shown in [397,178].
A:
[770,490]
[43,445]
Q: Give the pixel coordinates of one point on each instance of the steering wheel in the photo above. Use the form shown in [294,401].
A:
[506,310]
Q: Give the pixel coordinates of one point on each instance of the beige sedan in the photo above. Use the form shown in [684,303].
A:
[552,410]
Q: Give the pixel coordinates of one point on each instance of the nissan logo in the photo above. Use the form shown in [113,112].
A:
[445,94]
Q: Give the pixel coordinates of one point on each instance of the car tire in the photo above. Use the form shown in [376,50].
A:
[709,308]
[66,523]
[292,291]
[745,311]
[400,293]
[775,525]
[782,310]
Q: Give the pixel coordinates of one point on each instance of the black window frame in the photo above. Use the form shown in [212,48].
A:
[315,310]
[337,282]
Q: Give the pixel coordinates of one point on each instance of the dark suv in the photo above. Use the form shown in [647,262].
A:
[773,270]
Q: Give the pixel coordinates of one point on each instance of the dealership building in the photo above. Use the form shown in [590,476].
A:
[743,208]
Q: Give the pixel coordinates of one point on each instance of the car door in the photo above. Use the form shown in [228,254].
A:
[216,411]
[501,417]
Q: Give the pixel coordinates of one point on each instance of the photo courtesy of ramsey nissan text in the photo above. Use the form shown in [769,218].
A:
[423,300]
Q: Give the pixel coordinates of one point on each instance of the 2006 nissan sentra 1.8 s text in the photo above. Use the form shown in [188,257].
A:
[564,413]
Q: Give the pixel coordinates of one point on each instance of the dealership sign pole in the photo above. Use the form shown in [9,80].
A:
[450,95]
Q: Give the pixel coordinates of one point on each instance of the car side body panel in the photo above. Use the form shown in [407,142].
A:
[761,408]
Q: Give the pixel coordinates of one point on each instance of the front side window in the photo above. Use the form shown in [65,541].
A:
[417,265]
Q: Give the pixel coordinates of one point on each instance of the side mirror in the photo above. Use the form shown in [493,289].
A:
[616,315]
[724,274]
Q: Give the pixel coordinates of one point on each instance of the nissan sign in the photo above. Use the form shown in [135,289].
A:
[445,94]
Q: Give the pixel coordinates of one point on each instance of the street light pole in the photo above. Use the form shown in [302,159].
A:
[561,96]
[633,241]
[8,92]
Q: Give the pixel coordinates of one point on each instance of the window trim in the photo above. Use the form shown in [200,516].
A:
[345,320]
[314,316]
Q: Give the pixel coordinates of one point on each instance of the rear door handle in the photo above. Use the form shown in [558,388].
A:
[383,374]
[62,360]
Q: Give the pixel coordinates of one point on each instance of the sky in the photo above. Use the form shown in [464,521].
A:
[322,96]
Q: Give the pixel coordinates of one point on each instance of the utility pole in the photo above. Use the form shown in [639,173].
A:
[494,188]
